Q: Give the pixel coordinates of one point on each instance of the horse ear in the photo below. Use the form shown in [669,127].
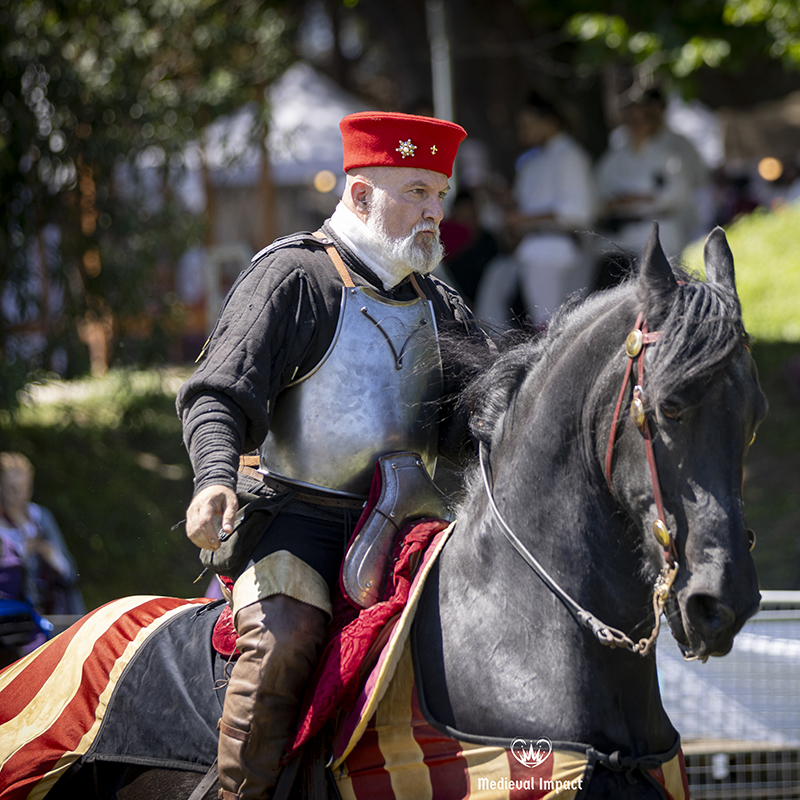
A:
[719,259]
[656,276]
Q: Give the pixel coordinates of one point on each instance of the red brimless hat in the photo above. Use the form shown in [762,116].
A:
[386,139]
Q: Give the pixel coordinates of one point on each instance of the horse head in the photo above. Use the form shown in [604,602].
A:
[699,402]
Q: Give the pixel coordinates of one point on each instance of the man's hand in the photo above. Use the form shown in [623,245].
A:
[213,501]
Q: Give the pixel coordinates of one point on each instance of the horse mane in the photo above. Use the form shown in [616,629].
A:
[702,330]
[491,365]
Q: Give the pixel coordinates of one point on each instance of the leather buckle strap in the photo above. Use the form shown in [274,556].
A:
[233,733]
[246,467]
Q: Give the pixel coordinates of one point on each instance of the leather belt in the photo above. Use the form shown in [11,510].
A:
[248,464]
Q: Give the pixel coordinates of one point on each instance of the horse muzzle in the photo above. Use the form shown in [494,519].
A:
[704,624]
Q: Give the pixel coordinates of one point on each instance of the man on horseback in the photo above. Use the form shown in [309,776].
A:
[324,358]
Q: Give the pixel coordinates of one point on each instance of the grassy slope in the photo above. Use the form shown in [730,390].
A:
[772,474]
[767,256]
[766,249]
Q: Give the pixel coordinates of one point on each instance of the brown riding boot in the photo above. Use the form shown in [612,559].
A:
[279,640]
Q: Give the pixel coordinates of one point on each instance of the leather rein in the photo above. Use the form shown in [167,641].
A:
[607,635]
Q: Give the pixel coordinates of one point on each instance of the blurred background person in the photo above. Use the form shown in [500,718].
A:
[32,531]
[22,629]
[16,581]
[20,624]
[648,173]
[468,245]
[554,199]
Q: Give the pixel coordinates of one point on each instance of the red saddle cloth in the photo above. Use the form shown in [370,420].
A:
[224,636]
[357,637]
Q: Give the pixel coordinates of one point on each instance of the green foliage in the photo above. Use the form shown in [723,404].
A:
[111,466]
[675,40]
[781,18]
[767,257]
[99,102]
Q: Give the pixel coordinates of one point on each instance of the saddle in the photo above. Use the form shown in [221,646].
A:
[356,638]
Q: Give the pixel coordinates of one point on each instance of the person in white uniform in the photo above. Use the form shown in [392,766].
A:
[649,173]
[554,200]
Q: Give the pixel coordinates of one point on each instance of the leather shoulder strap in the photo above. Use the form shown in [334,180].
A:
[334,256]
[333,253]
[301,239]
[417,287]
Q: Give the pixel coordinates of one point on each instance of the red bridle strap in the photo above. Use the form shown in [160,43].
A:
[635,345]
[632,356]
[605,634]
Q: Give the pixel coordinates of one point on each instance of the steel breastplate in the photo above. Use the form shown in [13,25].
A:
[376,391]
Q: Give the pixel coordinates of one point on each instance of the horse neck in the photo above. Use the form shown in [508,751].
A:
[557,680]
[548,485]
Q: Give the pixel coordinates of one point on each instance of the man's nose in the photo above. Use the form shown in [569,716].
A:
[434,211]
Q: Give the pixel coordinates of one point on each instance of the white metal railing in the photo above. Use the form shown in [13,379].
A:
[739,716]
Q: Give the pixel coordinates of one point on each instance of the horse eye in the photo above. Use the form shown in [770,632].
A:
[671,410]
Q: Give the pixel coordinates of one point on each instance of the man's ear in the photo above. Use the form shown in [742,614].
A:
[360,194]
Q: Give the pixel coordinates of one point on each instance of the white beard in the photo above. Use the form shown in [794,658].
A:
[404,252]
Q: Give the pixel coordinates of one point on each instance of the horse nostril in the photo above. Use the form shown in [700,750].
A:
[708,615]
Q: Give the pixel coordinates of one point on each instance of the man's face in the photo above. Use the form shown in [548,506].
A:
[533,129]
[643,120]
[413,198]
[405,208]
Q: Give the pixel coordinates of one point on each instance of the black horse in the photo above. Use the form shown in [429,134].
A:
[538,619]
[543,413]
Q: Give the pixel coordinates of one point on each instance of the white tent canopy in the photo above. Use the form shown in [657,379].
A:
[305,108]
[304,135]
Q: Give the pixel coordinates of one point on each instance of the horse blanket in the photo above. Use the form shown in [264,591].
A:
[92,692]
[400,755]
